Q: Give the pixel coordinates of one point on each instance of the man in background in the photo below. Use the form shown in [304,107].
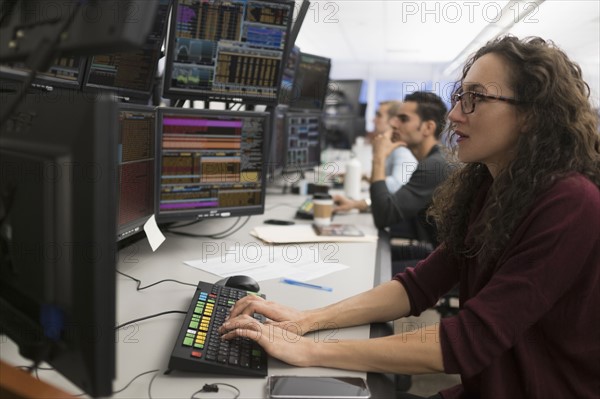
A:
[400,164]
[417,126]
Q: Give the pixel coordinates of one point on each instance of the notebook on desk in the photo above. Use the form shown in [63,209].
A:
[301,233]
[338,230]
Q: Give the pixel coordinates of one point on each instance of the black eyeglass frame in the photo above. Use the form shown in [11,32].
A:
[457,97]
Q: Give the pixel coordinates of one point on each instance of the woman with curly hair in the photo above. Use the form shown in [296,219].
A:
[519,226]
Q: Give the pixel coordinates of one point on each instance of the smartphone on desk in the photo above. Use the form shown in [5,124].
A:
[304,387]
[279,222]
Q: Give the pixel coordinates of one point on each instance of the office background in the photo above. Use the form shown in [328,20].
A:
[399,46]
[405,46]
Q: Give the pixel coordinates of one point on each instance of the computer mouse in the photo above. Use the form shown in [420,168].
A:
[240,282]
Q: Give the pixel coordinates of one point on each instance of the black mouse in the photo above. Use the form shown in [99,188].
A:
[240,282]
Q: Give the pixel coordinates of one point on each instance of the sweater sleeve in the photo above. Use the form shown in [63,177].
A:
[391,208]
[554,246]
[429,280]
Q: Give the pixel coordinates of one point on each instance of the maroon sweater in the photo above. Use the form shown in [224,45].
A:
[530,328]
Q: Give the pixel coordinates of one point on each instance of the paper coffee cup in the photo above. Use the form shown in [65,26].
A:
[322,210]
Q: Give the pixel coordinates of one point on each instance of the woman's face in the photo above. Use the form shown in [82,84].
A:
[488,134]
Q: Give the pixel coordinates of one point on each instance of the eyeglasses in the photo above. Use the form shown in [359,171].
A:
[468,99]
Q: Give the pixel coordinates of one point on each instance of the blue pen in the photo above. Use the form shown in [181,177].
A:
[307,285]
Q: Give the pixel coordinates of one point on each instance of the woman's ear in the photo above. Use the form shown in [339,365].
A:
[524,122]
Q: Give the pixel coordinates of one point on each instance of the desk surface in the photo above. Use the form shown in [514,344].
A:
[146,345]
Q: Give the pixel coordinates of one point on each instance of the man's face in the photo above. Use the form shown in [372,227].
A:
[406,125]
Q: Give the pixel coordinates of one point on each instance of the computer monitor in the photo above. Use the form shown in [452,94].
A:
[210,163]
[65,72]
[291,56]
[227,50]
[344,113]
[136,167]
[310,83]
[131,75]
[71,27]
[303,131]
[287,93]
[345,97]
[340,131]
[57,235]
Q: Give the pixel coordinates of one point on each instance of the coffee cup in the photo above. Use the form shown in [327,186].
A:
[322,209]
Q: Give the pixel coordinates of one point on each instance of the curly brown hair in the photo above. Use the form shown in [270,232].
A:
[560,137]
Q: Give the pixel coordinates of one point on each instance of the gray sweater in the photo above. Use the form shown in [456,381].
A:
[412,198]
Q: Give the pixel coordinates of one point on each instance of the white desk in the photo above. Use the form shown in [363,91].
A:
[147,345]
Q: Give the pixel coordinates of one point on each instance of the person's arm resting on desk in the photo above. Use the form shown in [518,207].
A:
[343,204]
[282,336]
[382,148]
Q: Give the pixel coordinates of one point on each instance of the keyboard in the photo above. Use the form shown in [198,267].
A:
[199,347]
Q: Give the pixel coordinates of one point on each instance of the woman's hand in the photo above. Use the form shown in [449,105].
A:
[279,340]
[278,315]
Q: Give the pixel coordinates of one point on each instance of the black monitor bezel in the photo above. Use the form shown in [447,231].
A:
[71,28]
[86,286]
[178,216]
[138,96]
[44,81]
[275,167]
[349,125]
[286,94]
[302,106]
[52,81]
[337,85]
[135,227]
[184,94]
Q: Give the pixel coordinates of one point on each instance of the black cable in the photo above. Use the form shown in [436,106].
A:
[215,388]
[139,282]
[233,226]
[31,368]
[114,392]
[204,235]
[150,385]
[188,224]
[150,317]
[223,234]
[135,378]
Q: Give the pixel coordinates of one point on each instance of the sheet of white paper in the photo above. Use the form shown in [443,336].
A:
[265,263]
[311,271]
[155,236]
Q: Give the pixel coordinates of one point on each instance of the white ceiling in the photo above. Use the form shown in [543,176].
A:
[386,39]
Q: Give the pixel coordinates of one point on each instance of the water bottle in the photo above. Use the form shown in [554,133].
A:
[352,179]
